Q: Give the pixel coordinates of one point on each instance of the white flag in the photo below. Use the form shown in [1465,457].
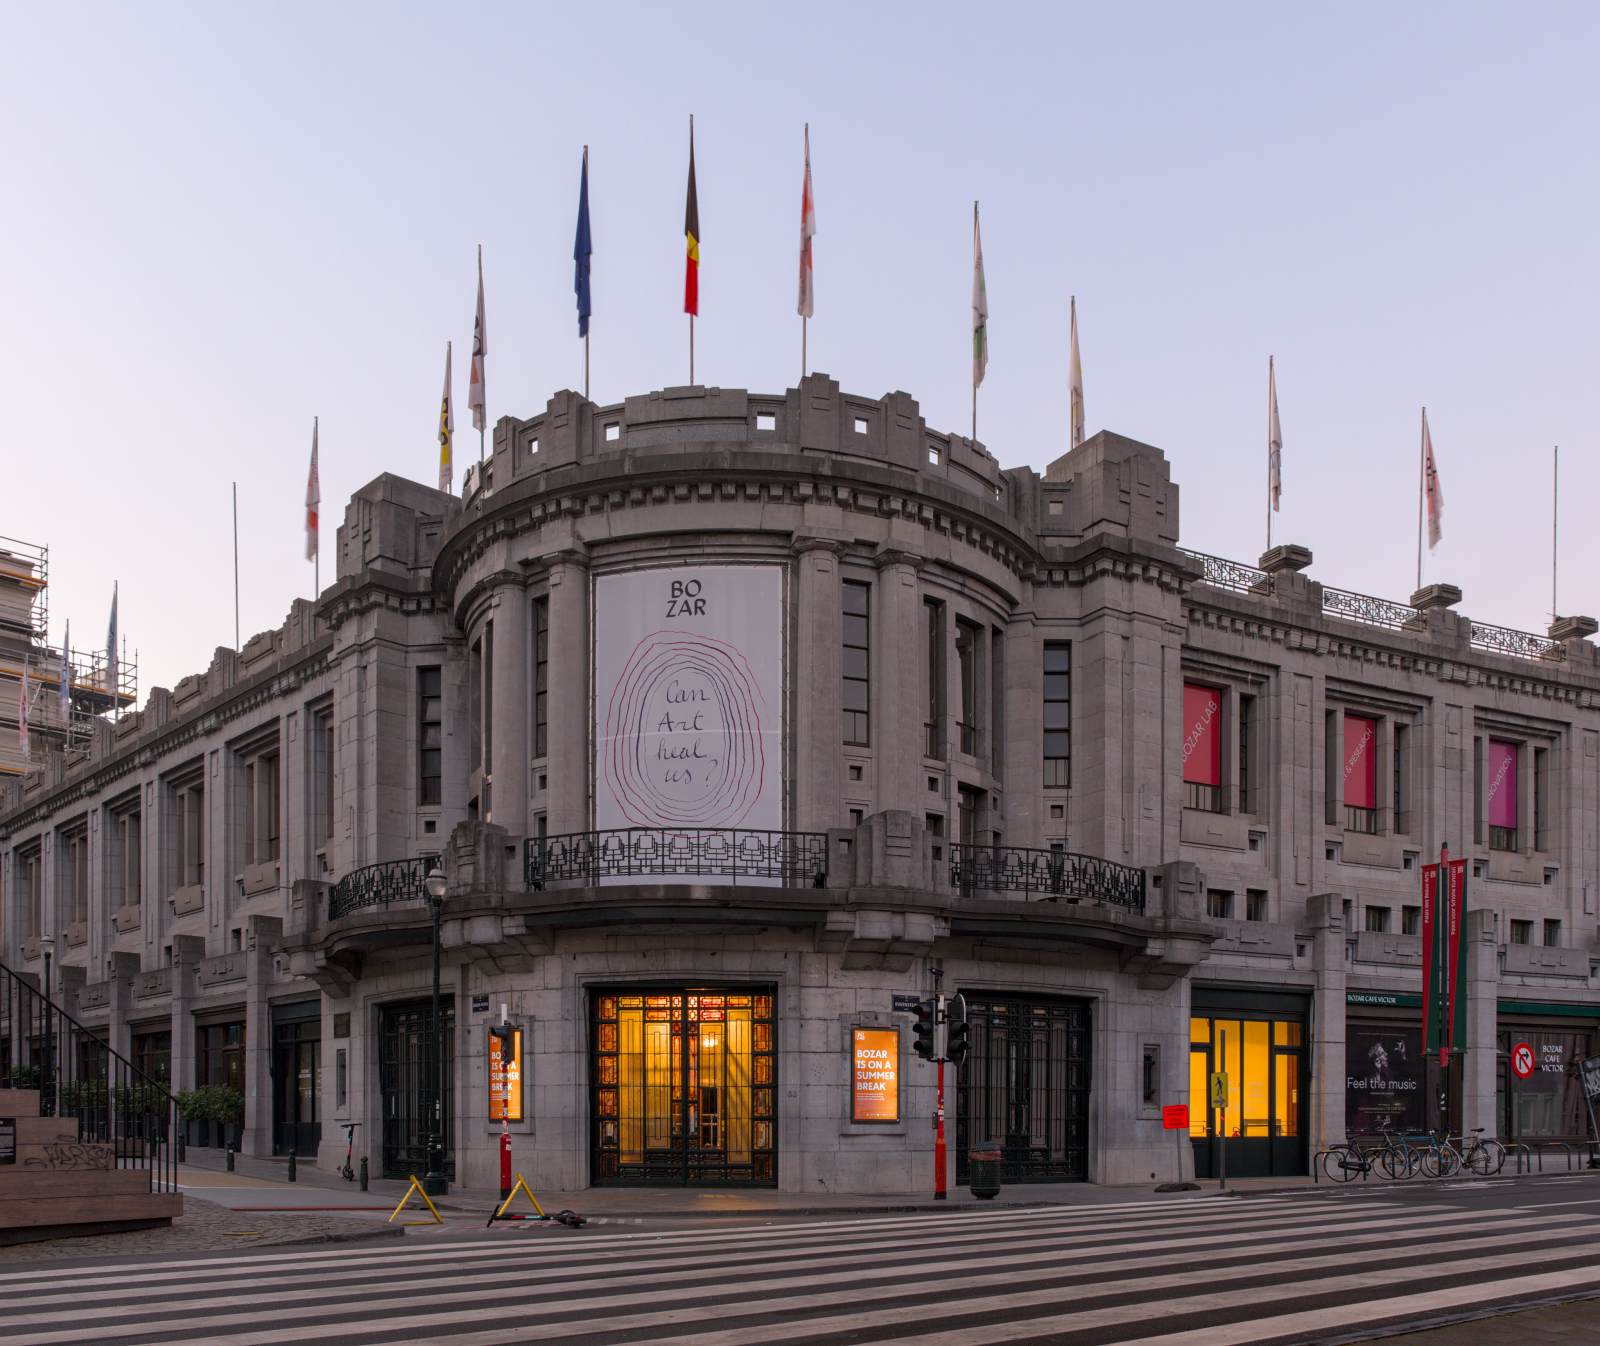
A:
[480,348]
[980,307]
[1077,380]
[64,686]
[447,428]
[1431,487]
[111,647]
[313,497]
[22,712]
[808,228]
[1274,437]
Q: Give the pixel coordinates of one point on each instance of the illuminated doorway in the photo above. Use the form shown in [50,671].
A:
[1262,1050]
[684,1087]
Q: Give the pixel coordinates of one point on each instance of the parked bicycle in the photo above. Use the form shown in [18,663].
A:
[1392,1157]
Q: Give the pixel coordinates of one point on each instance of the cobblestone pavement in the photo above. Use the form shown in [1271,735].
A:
[204,1227]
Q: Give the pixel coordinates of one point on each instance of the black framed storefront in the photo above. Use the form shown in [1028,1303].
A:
[1391,1083]
[1548,1104]
[683,1086]
[1025,1086]
[1259,1040]
[296,1077]
[406,1085]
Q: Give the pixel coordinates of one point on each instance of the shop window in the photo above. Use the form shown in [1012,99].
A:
[1500,795]
[152,1053]
[1255,905]
[1057,714]
[1522,932]
[219,1054]
[857,689]
[1378,920]
[1552,934]
[430,737]
[1219,903]
[1202,749]
[1410,920]
[933,720]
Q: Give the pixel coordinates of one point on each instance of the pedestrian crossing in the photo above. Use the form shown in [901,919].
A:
[1201,1272]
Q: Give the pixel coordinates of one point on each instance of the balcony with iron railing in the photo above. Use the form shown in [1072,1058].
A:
[710,854]
[380,885]
[1044,875]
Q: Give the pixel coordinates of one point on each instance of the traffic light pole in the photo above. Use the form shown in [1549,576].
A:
[939,1192]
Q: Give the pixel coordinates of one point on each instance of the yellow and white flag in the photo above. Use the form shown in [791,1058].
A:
[447,428]
[480,348]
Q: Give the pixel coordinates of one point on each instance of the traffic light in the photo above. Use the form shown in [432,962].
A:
[922,1034]
[955,1017]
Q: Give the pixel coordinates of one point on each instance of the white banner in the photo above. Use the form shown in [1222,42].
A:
[688,704]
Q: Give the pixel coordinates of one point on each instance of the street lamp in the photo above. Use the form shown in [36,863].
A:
[47,945]
[433,1183]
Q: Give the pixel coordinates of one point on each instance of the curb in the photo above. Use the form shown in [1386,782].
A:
[310,1239]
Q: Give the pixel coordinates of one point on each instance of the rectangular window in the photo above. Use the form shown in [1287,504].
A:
[72,863]
[1359,768]
[430,737]
[541,676]
[1522,932]
[322,778]
[129,834]
[1057,714]
[933,723]
[1477,791]
[1219,903]
[967,803]
[475,706]
[1400,800]
[32,894]
[1541,799]
[1378,920]
[257,811]
[188,825]
[1410,920]
[857,689]
[997,709]
[1247,729]
[1202,748]
[1552,934]
[1500,799]
[1255,905]
[967,668]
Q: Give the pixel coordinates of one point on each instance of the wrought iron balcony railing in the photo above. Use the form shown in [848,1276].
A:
[1048,875]
[380,885]
[795,859]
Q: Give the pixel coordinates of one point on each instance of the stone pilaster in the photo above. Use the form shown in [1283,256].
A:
[513,710]
[898,676]
[187,951]
[816,767]
[569,728]
[261,939]
[1480,1067]
[1325,920]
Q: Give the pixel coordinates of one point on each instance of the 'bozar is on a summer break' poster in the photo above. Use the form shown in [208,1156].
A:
[688,703]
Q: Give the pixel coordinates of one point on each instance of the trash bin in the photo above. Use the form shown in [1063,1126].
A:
[983,1171]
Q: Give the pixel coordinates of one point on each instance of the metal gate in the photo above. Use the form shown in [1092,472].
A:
[683,1087]
[405,1081]
[1025,1087]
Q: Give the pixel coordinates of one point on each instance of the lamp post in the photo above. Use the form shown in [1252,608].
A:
[433,1183]
[47,1073]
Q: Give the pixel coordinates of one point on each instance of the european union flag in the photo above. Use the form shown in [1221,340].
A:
[581,250]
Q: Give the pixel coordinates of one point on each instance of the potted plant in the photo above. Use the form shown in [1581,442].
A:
[219,1105]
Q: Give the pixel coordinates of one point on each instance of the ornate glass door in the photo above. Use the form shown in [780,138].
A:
[684,1087]
[405,1081]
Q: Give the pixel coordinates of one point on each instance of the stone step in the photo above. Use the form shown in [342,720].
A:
[75,1156]
[19,1102]
[43,1130]
[50,1211]
[24,1183]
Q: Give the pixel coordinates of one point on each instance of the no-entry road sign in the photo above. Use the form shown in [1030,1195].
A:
[1522,1060]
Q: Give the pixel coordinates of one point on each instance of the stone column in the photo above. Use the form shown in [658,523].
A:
[120,971]
[814,761]
[187,951]
[898,706]
[513,711]
[1325,919]
[260,939]
[1480,1068]
[569,728]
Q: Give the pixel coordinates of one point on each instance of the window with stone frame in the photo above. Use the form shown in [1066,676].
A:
[321,793]
[1368,771]
[185,791]
[541,676]
[124,857]
[1204,737]
[1513,782]
[257,807]
[72,880]
[29,869]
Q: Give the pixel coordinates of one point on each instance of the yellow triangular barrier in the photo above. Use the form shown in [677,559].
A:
[432,1209]
[521,1185]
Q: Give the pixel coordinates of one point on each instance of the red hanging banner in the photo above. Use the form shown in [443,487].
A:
[1202,735]
[1360,762]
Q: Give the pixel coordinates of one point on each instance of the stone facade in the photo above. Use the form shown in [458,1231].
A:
[439,700]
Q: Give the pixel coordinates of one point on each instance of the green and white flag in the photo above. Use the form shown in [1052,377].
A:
[980,307]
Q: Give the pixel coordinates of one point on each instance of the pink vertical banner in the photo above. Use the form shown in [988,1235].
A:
[1360,762]
[1202,735]
[1501,795]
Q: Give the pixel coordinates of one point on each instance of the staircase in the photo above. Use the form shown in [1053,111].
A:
[87,1141]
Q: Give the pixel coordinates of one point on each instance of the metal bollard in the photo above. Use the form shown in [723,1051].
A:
[291,1165]
[363,1173]
[229,1153]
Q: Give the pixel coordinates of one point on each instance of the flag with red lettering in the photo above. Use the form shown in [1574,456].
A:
[313,497]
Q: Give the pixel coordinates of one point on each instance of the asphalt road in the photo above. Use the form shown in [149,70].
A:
[1322,1266]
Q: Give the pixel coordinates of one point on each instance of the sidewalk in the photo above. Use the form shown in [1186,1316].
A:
[261,1184]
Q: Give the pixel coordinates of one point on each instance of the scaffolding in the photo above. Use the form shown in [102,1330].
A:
[24,592]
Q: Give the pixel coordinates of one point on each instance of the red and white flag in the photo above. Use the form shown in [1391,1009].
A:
[808,228]
[313,497]
[64,684]
[22,712]
[1432,490]
[480,348]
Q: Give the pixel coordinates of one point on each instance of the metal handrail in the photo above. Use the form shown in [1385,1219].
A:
[1049,875]
[795,859]
[1226,574]
[80,1075]
[1518,644]
[379,885]
[1365,608]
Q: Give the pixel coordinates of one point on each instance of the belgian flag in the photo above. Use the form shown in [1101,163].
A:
[691,232]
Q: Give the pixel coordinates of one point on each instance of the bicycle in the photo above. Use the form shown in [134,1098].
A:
[1343,1163]
[1484,1155]
[347,1172]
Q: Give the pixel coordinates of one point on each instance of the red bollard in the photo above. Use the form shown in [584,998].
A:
[505,1162]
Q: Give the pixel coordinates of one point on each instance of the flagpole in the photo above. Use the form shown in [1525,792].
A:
[1555,524]
[236,567]
[316,550]
[1270,409]
[985,337]
[691,350]
[586,321]
[1422,475]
